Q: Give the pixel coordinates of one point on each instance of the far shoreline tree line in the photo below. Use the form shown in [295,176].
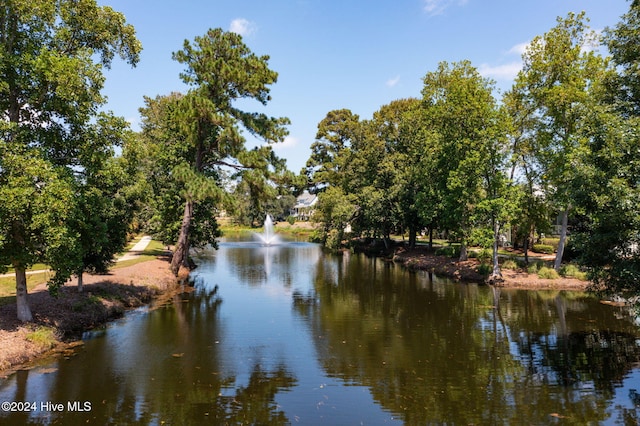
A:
[563,139]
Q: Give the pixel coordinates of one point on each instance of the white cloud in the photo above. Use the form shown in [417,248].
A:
[500,72]
[437,7]
[392,82]
[288,142]
[518,49]
[242,26]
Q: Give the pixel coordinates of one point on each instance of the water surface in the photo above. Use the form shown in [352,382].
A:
[287,334]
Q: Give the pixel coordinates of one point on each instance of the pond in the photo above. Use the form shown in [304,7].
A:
[288,334]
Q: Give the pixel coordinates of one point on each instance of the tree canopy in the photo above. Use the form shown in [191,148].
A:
[50,87]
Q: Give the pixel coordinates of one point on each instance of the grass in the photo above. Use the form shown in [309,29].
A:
[8,284]
[548,273]
[43,337]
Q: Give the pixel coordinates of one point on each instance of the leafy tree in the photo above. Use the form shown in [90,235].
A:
[623,41]
[334,210]
[559,70]
[49,90]
[609,191]
[459,105]
[330,152]
[220,69]
[107,196]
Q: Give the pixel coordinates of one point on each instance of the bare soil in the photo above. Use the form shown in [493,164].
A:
[104,298]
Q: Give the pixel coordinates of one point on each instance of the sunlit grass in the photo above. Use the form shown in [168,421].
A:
[8,283]
[44,337]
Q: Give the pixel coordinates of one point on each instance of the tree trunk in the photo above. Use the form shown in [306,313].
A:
[80,281]
[430,238]
[412,236]
[563,238]
[22,302]
[496,275]
[181,254]
[464,255]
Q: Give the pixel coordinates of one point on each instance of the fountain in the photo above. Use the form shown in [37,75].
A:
[268,237]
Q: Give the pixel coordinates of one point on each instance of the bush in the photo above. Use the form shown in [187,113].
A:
[484,269]
[533,268]
[291,220]
[510,264]
[543,248]
[485,255]
[573,271]
[548,273]
[553,242]
[449,251]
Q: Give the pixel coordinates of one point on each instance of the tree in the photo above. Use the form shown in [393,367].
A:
[459,105]
[623,41]
[107,195]
[330,152]
[220,69]
[609,193]
[609,188]
[558,71]
[49,91]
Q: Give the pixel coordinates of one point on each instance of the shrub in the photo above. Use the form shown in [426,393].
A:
[485,255]
[449,251]
[543,248]
[510,264]
[573,271]
[569,270]
[291,220]
[484,269]
[548,273]
[533,268]
[553,242]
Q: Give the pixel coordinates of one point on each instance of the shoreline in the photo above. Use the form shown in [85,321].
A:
[59,322]
[108,297]
[421,259]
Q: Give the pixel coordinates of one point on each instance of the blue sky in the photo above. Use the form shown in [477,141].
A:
[333,54]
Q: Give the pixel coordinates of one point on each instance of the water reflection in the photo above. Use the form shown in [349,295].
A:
[286,334]
[446,352]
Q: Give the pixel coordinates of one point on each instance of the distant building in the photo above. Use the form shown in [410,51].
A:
[303,209]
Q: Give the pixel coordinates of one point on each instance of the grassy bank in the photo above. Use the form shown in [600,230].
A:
[60,321]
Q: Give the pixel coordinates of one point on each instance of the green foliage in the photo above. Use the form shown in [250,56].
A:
[553,242]
[510,264]
[291,220]
[548,273]
[484,269]
[543,248]
[449,251]
[571,270]
[49,94]
[481,237]
[534,267]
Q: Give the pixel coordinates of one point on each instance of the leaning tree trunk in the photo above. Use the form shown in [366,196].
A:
[22,302]
[181,254]
[563,238]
